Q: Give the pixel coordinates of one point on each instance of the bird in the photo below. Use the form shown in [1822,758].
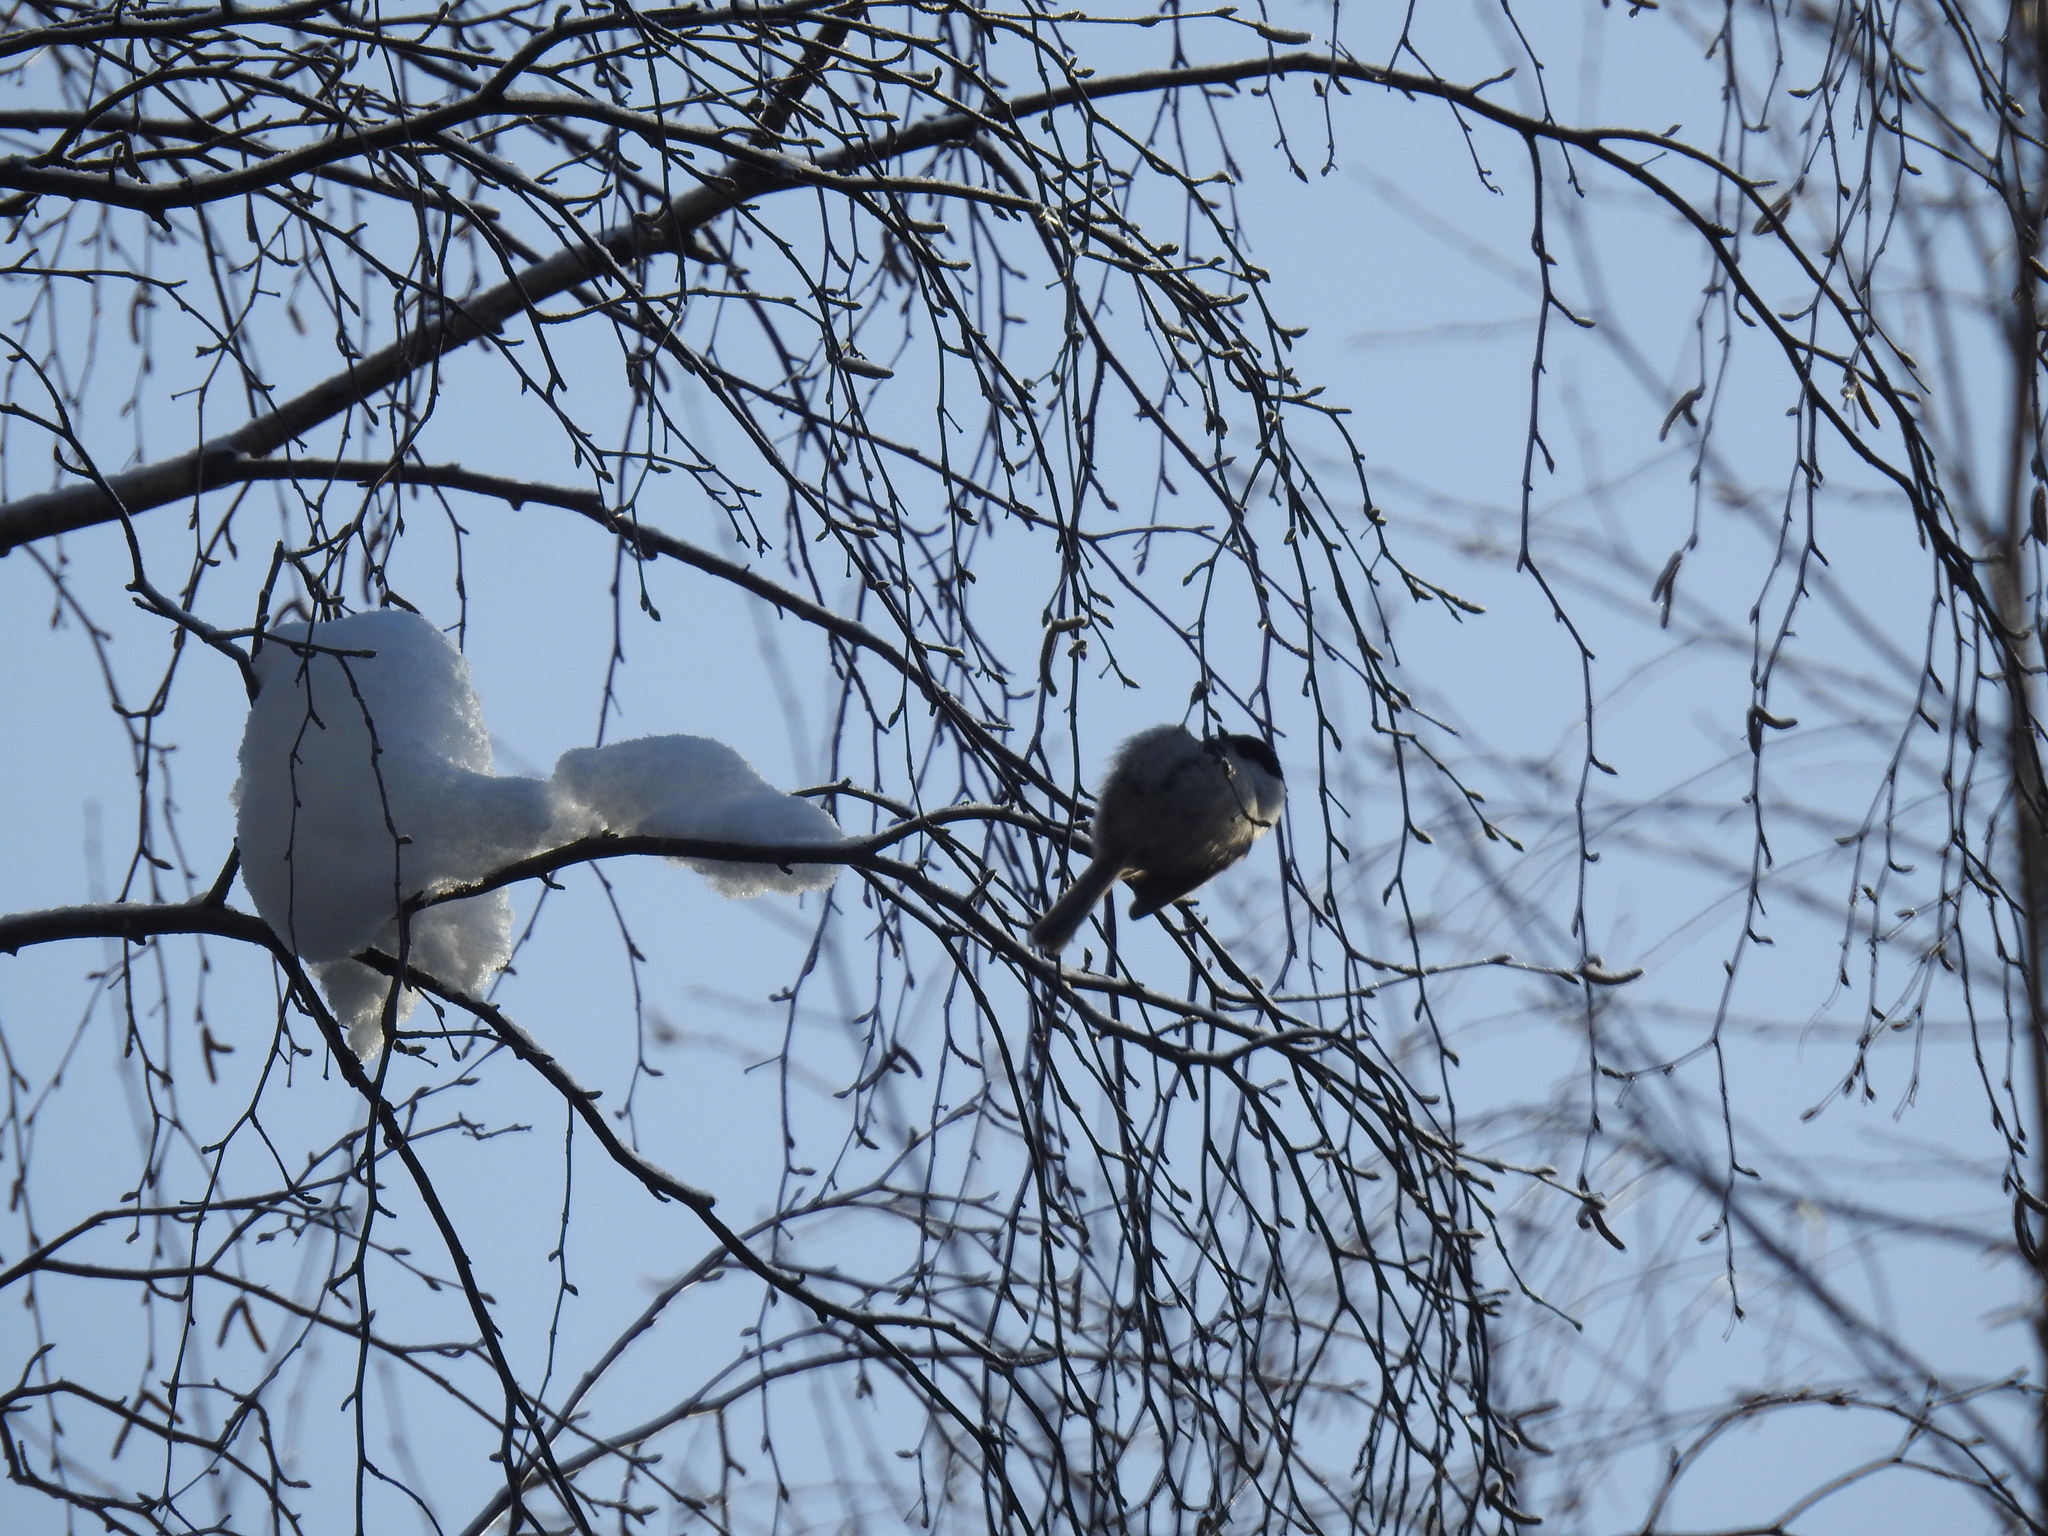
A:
[1174,811]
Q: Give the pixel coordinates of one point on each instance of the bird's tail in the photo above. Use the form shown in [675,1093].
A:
[1065,917]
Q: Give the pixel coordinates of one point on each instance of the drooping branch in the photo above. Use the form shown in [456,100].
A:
[751,172]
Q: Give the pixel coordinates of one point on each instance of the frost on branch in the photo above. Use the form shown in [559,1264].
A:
[366,780]
[692,786]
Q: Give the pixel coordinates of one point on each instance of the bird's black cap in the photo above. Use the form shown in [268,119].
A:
[1254,747]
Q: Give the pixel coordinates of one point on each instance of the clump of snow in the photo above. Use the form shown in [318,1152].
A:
[692,786]
[365,781]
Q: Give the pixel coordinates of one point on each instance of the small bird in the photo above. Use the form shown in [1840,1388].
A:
[1173,812]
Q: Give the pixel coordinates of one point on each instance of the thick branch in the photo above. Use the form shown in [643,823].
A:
[134,921]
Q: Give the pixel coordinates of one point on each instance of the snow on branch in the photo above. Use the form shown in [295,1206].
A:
[367,783]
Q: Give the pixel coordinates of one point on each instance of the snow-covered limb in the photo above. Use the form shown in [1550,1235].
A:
[367,785]
[694,787]
[366,779]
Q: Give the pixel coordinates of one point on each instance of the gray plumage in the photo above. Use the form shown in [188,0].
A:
[1174,812]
